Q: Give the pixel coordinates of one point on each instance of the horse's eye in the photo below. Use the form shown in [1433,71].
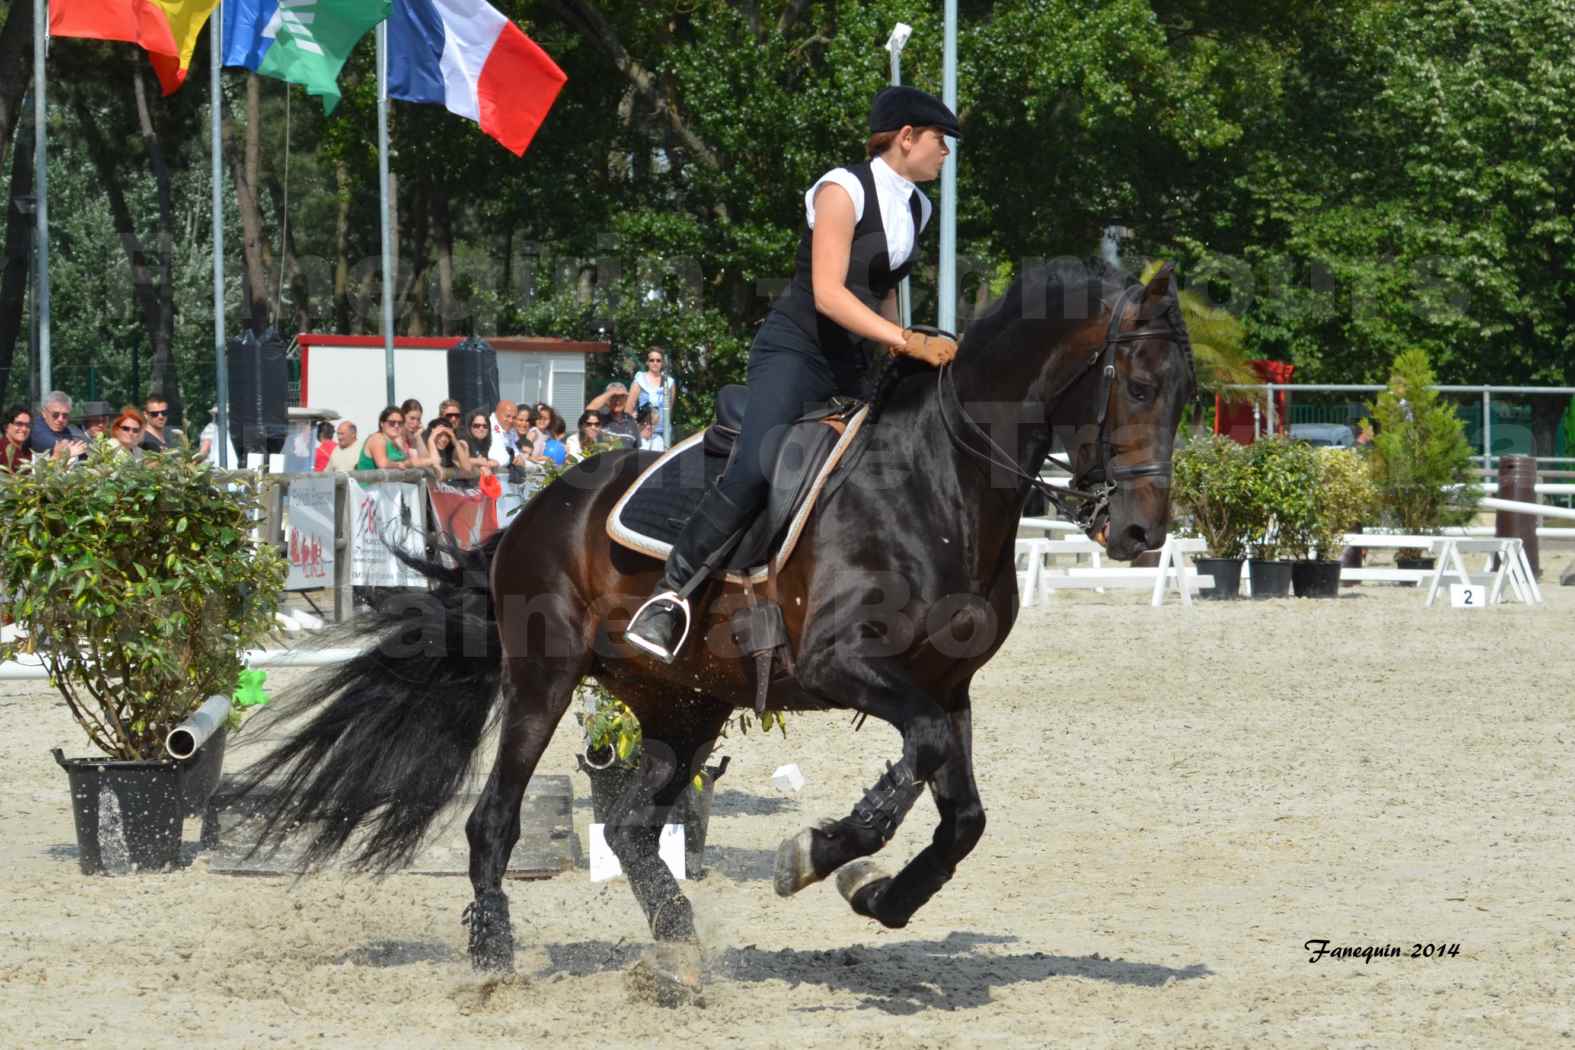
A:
[1140,391]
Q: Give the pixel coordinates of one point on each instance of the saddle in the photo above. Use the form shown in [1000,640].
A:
[651,514]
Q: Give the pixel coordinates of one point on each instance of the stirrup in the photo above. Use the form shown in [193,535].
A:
[682,605]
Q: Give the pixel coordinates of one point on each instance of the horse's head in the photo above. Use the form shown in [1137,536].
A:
[1144,378]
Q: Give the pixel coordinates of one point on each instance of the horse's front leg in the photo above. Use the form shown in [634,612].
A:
[815,853]
[892,901]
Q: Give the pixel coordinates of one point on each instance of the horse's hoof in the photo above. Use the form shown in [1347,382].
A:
[861,882]
[491,935]
[668,975]
[795,865]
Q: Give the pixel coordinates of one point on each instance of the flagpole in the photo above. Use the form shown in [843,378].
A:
[46,378]
[894,44]
[382,211]
[946,284]
[221,366]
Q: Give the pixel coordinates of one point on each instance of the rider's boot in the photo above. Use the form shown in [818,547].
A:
[661,625]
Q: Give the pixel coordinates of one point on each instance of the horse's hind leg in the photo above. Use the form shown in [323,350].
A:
[531,716]
[668,763]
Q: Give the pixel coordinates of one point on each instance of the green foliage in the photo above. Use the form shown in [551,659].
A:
[609,725]
[138,583]
[1282,484]
[1346,498]
[1419,451]
[1218,341]
[1211,483]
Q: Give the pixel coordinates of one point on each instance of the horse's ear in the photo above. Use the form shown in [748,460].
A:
[1161,286]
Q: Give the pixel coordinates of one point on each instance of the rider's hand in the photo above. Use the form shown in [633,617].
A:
[933,350]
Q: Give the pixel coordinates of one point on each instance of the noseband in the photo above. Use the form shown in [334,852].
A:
[1092,489]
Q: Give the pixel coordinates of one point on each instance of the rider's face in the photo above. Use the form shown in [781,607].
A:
[928,153]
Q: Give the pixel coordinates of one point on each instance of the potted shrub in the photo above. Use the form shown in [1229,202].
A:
[138,584]
[1421,461]
[1344,500]
[611,760]
[1209,484]
[1282,475]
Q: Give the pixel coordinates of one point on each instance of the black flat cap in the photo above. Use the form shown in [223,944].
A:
[895,107]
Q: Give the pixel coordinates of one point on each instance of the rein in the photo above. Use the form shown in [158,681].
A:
[1092,501]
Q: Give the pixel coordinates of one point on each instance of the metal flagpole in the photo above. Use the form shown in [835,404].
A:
[382,211]
[221,364]
[46,378]
[946,282]
[895,43]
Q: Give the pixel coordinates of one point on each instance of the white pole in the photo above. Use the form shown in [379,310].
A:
[1487,430]
[894,44]
[946,281]
[221,366]
[382,212]
[46,377]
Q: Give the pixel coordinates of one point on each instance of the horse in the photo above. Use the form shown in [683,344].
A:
[902,587]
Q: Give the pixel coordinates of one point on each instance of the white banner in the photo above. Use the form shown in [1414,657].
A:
[388,512]
[309,530]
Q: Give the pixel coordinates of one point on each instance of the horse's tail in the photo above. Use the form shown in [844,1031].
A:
[390,735]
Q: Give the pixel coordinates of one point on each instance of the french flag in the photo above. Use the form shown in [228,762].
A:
[467,56]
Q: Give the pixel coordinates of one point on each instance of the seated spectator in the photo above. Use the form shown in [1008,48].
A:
[616,421]
[415,445]
[502,421]
[15,453]
[553,449]
[385,450]
[587,433]
[451,412]
[127,430]
[345,455]
[156,437]
[95,419]
[650,440]
[53,434]
[480,445]
[450,453]
[325,446]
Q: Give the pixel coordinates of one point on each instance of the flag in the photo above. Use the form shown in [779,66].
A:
[304,42]
[467,56]
[166,29]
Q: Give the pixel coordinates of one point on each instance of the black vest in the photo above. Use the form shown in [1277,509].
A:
[870,276]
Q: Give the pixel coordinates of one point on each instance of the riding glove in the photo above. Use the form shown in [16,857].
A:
[934,350]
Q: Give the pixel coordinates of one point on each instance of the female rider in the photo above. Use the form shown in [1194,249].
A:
[861,230]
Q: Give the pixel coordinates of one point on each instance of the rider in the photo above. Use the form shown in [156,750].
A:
[861,233]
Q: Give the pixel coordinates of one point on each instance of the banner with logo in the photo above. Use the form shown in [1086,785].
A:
[309,530]
[383,514]
[465,516]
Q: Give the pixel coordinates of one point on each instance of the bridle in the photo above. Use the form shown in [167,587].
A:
[1092,489]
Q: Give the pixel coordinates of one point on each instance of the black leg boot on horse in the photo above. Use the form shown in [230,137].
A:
[661,625]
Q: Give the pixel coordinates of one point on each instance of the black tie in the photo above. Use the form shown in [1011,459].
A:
[918,213]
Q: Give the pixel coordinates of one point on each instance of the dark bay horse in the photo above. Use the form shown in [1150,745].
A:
[903,586]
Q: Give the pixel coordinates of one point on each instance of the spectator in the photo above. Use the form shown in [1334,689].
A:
[502,421]
[547,437]
[650,440]
[450,453]
[156,435]
[95,419]
[208,447]
[587,433]
[15,453]
[385,450]
[325,446]
[127,430]
[478,439]
[53,433]
[616,421]
[655,391]
[345,455]
[451,412]
[415,444]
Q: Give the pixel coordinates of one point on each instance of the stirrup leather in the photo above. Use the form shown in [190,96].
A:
[680,603]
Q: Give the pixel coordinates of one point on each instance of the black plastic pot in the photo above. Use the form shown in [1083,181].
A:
[1316,579]
[693,808]
[1227,577]
[1270,579]
[128,814]
[1413,563]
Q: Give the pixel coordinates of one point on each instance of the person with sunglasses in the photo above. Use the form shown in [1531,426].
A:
[587,435]
[14,451]
[157,435]
[127,430]
[385,450]
[655,391]
[53,433]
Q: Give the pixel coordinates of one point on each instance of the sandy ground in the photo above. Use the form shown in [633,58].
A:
[1178,801]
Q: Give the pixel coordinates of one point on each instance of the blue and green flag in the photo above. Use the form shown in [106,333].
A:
[303,42]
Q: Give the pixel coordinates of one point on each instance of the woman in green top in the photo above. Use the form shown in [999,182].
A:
[386,448]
